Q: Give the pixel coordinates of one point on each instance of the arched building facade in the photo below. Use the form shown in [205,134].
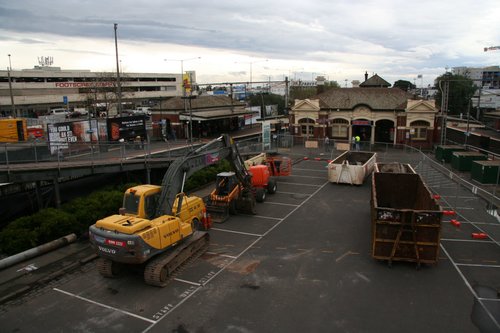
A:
[377,115]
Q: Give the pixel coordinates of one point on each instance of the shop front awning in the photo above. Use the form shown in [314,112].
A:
[214,114]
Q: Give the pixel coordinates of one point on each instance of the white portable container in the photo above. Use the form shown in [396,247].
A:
[351,167]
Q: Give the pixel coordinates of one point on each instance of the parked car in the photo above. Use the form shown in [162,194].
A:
[82,111]
[74,114]
[59,111]
[142,111]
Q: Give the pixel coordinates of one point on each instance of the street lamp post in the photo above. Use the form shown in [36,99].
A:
[118,83]
[251,67]
[10,91]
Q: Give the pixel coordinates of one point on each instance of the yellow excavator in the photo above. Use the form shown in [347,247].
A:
[160,226]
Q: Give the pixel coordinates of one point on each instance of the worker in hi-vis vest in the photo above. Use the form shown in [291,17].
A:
[357,139]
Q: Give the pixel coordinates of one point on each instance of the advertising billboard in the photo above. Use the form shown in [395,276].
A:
[126,128]
[61,135]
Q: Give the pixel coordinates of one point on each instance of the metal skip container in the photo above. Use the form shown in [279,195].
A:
[406,219]
[351,167]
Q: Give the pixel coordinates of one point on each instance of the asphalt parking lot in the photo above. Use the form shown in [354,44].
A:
[302,263]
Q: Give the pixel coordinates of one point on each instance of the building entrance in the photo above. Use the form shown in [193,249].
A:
[384,131]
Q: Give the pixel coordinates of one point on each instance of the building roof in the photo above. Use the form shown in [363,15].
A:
[201,102]
[375,81]
[214,114]
[375,98]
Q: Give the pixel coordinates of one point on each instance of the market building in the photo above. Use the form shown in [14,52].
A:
[373,111]
[199,116]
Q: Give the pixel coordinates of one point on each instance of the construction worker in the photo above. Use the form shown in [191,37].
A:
[357,139]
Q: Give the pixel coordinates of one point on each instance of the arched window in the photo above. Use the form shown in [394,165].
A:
[340,128]
[418,129]
[306,127]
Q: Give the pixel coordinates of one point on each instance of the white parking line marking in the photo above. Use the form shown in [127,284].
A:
[220,254]
[478,265]
[104,305]
[300,184]
[308,177]
[304,194]
[279,203]
[186,281]
[316,170]
[466,240]
[236,232]
[231,261]
[264,217]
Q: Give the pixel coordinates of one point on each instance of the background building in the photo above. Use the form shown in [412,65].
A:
[375,114]
[487,80]
[36,91]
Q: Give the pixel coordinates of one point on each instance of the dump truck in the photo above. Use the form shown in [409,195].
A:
[405,217]
[351,167]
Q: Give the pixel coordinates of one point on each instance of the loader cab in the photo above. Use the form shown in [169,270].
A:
[226,182]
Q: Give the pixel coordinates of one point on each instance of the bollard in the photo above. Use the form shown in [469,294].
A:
[479,235]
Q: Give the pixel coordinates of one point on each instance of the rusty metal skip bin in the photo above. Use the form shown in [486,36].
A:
[406,219]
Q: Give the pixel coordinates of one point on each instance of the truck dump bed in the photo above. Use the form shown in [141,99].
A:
[351,167]
[406,219]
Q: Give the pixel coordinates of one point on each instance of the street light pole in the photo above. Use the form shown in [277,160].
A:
[251,68]
[10,91]
[119,87]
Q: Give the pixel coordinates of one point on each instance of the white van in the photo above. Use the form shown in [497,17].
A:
[60,111]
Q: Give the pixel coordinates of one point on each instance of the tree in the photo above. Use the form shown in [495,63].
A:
[267,99]
[404,85]
[461,89]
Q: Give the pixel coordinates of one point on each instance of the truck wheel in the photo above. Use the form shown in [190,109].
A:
[260,195]
[272,186]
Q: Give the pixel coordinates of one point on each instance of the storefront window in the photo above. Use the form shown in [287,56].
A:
[306,127]
[340,128]
[418,130]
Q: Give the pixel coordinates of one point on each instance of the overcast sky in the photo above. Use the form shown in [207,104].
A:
[340,39]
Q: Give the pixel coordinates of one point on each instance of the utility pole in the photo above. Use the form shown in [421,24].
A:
[444,108]
[10,91]
[119,86]
[287,93]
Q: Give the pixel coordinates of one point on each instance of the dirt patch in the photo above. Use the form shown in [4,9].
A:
[244,267]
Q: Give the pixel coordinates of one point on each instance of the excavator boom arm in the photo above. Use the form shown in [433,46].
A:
[183,167]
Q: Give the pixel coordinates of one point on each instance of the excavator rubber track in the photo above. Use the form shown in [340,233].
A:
[107,267]
[159,269]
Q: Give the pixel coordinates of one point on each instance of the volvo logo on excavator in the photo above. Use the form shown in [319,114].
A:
[107,250]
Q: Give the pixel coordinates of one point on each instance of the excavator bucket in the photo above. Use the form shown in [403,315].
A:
[246,204]
[218,213]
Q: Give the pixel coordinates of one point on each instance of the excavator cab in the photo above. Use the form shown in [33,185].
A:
[141,201]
